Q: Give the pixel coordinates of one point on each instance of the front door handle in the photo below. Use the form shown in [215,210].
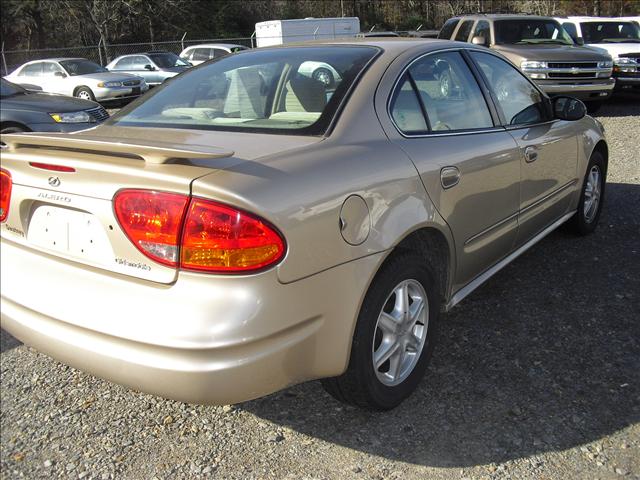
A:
[530,154]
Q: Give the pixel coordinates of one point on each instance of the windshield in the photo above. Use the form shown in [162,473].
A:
[9,89]
[81,67]
[284,90]
[610,32]
[531,31]
[167,60]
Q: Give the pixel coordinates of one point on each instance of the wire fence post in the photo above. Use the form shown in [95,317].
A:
[253,35]
[4,61]
[100,53]
[182,40]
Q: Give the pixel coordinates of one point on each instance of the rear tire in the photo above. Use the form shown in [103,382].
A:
[381,328]
[85,93]
[591,200]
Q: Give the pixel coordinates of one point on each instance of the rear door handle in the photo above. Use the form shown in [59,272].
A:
[530,154]
[449,177]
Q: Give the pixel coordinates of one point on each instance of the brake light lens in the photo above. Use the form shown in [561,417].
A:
[49,166]
[197,234]
[219,238]
[152,221]
[6,183]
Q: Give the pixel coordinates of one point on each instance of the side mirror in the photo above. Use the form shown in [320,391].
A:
[568,108]
[479,40]
[148,67]
[580,41]
[60,74]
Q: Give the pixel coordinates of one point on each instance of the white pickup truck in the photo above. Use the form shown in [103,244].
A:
[619,37]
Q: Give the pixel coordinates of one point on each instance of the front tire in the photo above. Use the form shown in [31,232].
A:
[591,197]
[393,338]
[85,93]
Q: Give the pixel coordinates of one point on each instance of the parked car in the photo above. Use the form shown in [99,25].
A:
[236,233]
[618,38]
[542,50]
[196,54]
[25,111]
[78,77]
[154,67]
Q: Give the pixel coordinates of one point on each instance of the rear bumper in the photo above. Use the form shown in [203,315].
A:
[584,91]
[204,339]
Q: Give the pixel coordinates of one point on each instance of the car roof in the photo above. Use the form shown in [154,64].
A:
[215,45]
[56,59]
[504,16]
[597,19]
[393,45]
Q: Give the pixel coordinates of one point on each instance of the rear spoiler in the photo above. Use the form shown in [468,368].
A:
[150,151]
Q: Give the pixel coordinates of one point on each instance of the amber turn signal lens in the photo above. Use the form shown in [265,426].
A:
[219,238]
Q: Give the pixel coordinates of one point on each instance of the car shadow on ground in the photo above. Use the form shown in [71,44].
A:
[7,342]
[544,357]
[621,104]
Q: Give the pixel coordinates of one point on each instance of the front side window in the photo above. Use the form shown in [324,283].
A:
[483,30]
[138,62]
[571,29]
[521,103]
[530,31]
[263,90]
[167,60]
[448,28]
[49,69]
[464,31]
[81,67]
[610,32]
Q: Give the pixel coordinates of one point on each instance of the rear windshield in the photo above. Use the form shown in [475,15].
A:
[531,31]
[167,60]
[81,67]
[282,90]
[610,32]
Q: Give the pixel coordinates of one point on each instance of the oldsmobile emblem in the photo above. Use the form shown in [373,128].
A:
[54,181]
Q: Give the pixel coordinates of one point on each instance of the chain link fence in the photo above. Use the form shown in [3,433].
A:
[104,53]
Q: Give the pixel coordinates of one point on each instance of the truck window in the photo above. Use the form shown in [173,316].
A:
[570,28]
[464,31]
[448,28]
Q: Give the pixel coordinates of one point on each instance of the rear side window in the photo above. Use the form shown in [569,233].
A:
[219,52]
[406,110]
[446,89]
[33,70]
[448,28]
[464,31]
[201,54]
[518,99]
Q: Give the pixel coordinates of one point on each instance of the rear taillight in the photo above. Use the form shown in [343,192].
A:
[5,193]
[219,238]
[152,221]
[208,236]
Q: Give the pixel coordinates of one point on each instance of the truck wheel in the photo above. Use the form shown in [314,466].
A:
[85,93]
[393,338]
[591,197]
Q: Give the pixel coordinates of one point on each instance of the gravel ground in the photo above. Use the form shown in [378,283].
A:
[536,376]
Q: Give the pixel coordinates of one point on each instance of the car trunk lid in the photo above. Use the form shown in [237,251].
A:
[69,214]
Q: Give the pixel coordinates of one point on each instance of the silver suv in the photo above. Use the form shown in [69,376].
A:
[543,50]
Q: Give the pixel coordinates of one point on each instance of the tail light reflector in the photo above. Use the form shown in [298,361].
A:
[219,238]
[5,193]
[152,221]
[195,233]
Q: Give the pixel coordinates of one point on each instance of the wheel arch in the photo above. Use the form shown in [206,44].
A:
[10,123]
[602,148]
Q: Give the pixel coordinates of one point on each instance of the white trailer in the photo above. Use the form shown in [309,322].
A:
[277,32]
